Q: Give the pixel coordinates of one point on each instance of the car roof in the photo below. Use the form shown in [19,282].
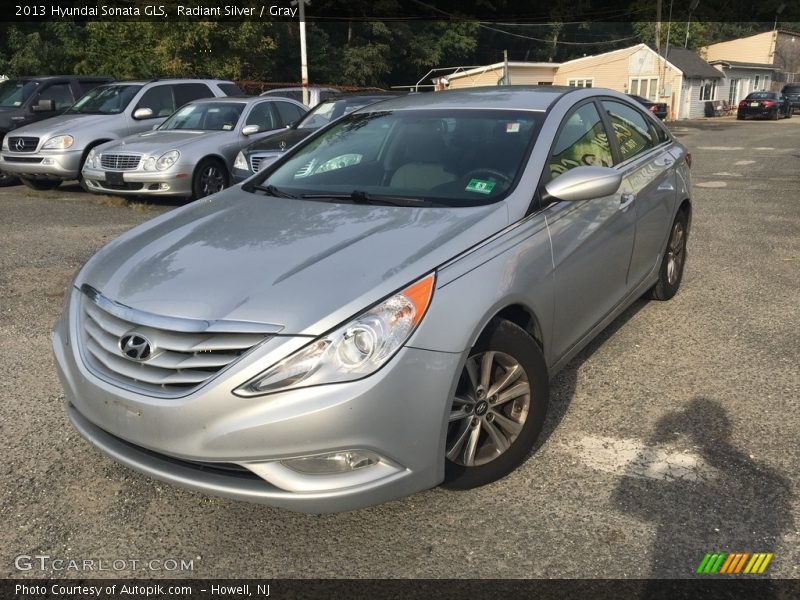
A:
[102,78]
[533,97]
[233,100]
[294,89]
[146,81]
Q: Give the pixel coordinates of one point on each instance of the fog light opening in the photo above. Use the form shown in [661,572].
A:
[333,462]
[48,161]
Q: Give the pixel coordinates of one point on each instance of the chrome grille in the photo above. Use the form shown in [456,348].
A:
[179,361]
[120,162]
[22,144]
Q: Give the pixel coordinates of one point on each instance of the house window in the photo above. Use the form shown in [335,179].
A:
[708,89]
[733,92]
[646,87]
[755,85]
[581,83]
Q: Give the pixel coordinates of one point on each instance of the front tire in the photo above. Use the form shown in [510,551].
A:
[499,407]
[7,179]
[210,177]
[41,184]
[670,273]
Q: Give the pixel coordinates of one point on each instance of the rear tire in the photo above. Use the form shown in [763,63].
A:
[776,115]
[670,273]
[740,117]
[41,184]
[499,407]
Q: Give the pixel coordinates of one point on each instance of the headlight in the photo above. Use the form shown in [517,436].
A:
[352,351]
[59,142]
[240,162]
[5,143]
[167,159]
[92,160]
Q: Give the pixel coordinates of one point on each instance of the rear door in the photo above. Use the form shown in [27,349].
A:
[647,156]
[592,240]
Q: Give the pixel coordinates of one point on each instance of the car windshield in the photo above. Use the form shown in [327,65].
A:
[456,157]
[206,116]
[14,92]
[330,110]
[105,100]
[761,96]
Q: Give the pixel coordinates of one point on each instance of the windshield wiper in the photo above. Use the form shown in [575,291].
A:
[361,197]
[273,191]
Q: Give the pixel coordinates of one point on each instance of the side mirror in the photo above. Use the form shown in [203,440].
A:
[250,129]
[44,106]
[143,113]
[583,183]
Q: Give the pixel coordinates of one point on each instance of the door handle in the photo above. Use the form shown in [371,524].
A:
[626,199]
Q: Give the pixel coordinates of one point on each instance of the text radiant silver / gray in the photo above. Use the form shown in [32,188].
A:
[378,311]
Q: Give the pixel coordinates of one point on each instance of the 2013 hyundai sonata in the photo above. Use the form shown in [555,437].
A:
[379,311]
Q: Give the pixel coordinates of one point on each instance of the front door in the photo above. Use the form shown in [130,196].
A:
[591,240]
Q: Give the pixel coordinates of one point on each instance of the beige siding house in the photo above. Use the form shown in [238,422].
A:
[520,73]
[779,50]
[681,79]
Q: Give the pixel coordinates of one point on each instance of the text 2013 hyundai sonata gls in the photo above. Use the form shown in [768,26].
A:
[379,311]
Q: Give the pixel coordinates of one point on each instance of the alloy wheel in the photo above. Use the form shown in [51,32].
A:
[212,180]
[675,252]
[489,410]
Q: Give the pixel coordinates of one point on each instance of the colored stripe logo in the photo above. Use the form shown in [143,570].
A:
[734,563]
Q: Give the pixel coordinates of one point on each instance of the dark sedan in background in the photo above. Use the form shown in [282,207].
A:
[659,109]
[265,151]
[772,105]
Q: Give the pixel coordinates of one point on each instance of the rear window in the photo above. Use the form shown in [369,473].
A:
[458,157]
[761,96]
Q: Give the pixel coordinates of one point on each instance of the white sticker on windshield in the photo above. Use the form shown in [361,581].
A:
[512,127]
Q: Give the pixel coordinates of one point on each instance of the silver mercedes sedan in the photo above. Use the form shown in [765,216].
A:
[191,153]
[380,310]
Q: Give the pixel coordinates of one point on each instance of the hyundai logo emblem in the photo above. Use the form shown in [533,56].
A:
[135,346]
[20,144]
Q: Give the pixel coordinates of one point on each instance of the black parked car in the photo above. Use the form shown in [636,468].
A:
[792,92]
[659,109]
[773,105]
[25,100]
[271,147]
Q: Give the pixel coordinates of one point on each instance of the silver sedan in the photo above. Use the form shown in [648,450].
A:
[380,310]
[191,154]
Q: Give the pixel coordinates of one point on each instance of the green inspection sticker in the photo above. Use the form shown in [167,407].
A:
[480,186]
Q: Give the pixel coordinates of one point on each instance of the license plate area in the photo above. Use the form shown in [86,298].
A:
[114,178]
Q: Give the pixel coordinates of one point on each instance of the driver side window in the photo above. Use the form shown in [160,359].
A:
[582,141]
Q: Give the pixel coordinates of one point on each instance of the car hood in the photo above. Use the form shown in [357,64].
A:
[287,137]
[61,124]
[303,265]
[154,141]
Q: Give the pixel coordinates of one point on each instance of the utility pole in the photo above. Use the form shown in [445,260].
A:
[692,6]
[301,4]
[658,26]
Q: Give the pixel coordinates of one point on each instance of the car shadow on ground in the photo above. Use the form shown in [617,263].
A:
[73,187]
[740,505]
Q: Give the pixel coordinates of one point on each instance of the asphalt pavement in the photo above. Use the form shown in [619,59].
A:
[675,433]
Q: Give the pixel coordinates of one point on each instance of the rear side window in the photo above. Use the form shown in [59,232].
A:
[230,89]
[582,141]
[288,113]
[90,84]
[293,94]
[631,128]
[186,92]
[60,94]
[159,99]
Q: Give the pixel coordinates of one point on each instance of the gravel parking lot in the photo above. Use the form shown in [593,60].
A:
[674,433]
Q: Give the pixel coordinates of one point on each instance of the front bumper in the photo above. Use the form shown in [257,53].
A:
[54,164]
[175,181]
[399,413]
